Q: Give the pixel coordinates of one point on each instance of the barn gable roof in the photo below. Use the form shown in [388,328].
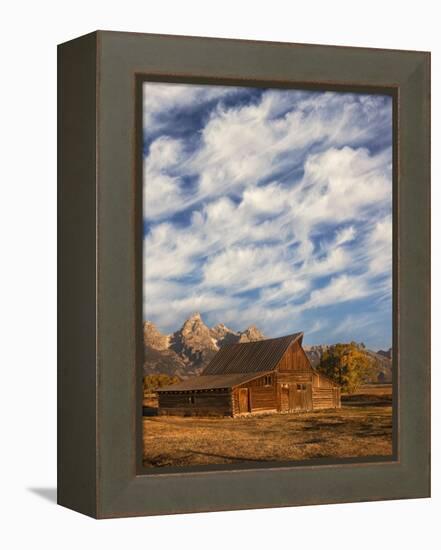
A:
[251,357]
[211,382]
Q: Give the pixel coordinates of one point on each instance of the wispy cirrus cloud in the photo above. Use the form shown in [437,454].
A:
[266,207]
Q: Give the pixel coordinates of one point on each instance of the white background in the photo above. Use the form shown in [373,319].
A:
[29,34]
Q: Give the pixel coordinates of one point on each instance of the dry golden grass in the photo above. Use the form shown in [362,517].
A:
[353,431]
[374,389]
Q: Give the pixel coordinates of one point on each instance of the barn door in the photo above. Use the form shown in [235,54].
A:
[284,398]
[297,392]
[244,401]
[302,397]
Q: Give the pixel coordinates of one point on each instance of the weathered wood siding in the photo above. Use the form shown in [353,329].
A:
[294,370]
[262,395]
[321,381]
[326,398]
[263,399]
[295,359]
[295,397]
[294,377]
[196,403]
[325,393]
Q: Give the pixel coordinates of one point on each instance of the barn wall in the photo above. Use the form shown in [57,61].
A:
[206,403]
[294,377]
[295,396]
[294,368]
[261,397]
[295,359]
[325,393]
[326,398]
[320,381]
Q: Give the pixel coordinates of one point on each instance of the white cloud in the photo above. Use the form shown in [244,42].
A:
[342,288]
[270,200]
[162,190]
[337,259]
[362,327]
[345,235]
[290,289]
[161,99]
[285,202]
[379,244]
[229,236]
[242,146]
[351,323]
[340,184]
[316,326]
[246,268]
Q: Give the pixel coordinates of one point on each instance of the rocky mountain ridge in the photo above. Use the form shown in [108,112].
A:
[387,353]
[187,351]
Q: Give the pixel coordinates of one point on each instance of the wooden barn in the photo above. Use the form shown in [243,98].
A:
[268,375]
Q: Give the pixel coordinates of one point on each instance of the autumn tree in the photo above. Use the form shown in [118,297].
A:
[347,364]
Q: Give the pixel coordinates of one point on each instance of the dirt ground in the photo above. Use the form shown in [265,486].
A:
[362,427]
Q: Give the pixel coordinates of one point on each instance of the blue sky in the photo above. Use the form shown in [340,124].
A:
[269,207]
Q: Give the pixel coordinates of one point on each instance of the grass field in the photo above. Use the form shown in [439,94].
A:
[360,428]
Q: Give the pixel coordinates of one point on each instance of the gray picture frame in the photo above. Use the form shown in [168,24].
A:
[99,271]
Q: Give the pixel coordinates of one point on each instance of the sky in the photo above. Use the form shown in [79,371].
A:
[270,207]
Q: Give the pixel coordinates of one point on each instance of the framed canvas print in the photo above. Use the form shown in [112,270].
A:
[244,259]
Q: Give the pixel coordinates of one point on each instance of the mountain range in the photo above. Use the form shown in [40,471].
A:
[187,351]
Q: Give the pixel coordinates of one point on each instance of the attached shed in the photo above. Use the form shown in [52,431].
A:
[268,375]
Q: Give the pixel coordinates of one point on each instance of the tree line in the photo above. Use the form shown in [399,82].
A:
[349,365]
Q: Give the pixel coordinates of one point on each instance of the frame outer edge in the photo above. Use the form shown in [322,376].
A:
[76,370]
[415,277]
[122,493]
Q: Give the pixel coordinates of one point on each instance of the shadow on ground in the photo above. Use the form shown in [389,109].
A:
[48,493]
[149,411]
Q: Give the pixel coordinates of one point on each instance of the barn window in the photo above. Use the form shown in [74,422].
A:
[268,380]
[299,386]
[191,399]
